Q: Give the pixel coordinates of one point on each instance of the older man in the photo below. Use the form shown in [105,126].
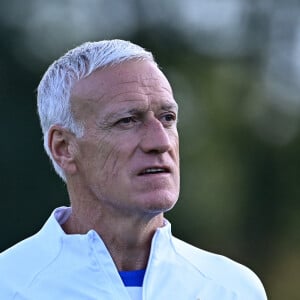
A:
[109,118]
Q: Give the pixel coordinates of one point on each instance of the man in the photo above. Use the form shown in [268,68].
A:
[109,117]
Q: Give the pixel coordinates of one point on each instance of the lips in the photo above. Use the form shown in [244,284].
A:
[154,170]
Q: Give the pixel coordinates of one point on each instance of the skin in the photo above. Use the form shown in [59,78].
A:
[129,115]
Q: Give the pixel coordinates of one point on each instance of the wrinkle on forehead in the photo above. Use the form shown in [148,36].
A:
[116,75]
[142,82]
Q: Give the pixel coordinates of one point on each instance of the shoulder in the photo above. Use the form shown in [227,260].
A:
[222,270]
[23,262]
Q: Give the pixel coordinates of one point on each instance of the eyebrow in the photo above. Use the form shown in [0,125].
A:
[140,109]
[170,106]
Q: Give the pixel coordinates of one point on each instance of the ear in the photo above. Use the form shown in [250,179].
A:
[61,143]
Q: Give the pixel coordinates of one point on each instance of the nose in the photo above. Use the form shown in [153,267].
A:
[155,137]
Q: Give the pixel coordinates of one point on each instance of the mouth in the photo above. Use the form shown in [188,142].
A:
[154,170]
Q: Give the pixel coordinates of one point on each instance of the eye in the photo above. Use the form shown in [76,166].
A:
[126,122]
[169,119]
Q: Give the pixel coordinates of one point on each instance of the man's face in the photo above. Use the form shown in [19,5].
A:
[128,158]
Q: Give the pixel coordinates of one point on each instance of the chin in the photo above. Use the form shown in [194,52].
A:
[160,203]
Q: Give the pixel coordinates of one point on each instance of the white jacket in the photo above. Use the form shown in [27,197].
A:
[52,265]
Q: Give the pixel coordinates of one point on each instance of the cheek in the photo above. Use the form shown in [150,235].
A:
[94,153]
[177,159]
[110,159]
[175,143]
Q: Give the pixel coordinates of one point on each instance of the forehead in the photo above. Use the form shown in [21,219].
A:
[128,77]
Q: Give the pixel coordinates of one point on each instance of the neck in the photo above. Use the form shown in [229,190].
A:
[127,237]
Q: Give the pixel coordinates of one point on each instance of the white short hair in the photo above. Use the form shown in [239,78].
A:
[54,90]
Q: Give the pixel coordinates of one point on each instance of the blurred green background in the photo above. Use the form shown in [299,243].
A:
[235,69]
